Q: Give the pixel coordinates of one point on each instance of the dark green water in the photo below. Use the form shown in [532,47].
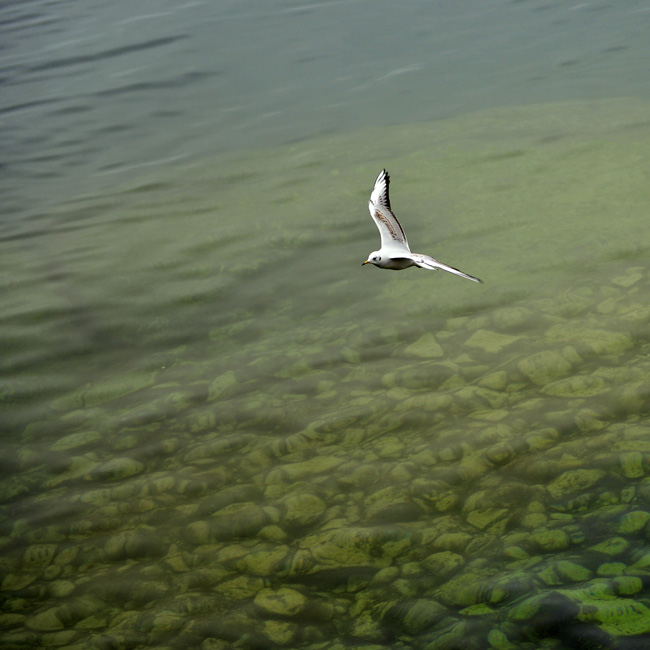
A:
[221,432]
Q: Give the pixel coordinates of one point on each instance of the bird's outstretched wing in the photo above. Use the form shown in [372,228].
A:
[390,229]
[426,262]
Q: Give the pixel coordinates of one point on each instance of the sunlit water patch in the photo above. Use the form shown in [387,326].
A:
[222,432]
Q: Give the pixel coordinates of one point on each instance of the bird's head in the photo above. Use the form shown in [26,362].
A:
[373,258]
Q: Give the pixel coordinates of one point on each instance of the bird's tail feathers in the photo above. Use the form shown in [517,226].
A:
[426,262]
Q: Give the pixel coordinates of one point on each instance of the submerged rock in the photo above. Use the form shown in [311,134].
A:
[574,480]
[548,540]
[544,367]
[280,602]
[618,616]
[223,386]
[76,440]
[490,342]
[236,520]
[301,510]
[598,341]
[145,542]
[414,616]
[45,621]
[426,347]
[613,546]
[632,522]
[116,469]
[578,386]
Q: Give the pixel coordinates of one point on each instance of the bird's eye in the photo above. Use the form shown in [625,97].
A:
[376,258]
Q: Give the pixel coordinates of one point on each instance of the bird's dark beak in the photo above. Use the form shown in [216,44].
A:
[366,262]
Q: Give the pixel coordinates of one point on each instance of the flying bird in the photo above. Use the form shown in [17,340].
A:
[395,253]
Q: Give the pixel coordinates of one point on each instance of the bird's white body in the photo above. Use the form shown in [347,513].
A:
[395,253]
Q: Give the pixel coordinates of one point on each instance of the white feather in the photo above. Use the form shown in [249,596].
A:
[390,230]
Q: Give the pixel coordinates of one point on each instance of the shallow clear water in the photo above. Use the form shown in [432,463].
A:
[220,431]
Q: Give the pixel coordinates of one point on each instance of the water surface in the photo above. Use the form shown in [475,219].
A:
[220,431]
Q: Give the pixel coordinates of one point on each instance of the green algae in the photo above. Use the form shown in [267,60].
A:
[618,616]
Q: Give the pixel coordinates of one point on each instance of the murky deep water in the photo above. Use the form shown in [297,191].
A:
[218,431]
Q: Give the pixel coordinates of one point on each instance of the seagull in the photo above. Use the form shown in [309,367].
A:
[395,253]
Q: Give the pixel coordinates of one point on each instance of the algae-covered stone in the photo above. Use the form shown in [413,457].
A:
[391,504]
[47,620]
[496,380]
[632,464]
[443,563]
[491,342]
[38,556]
[516,552]
[547,540]
[18,581]
[513,318]
[293,472]
[632,522]
[544,367]
[385,576]
[633,395]
[613,546]
[280,632]
[611,569]
[59,639]
[627,585]
[10,620]
[110,389]
[426,347]
[572,571]
[480,609]
[419,376]
[414,616]
[105,390]
[589,420]
[280,602]
[236,520]
[302,509]
[116,469]
[267,561]
[484,517]
[202,420]
[354,546]
[462,590]
[485,402]
[60,588]
[222,386]
[272,533]
[579,386]
[597,340]
[145,542]
[499,641]
[628,279]
[619,616]
[360,475]
[500,454]
[574,480]
[165,623]
[389,447]
[553,606]
[76,440]
[452,541]
[218,446]
[507,587]
[241,587]
[527,608]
